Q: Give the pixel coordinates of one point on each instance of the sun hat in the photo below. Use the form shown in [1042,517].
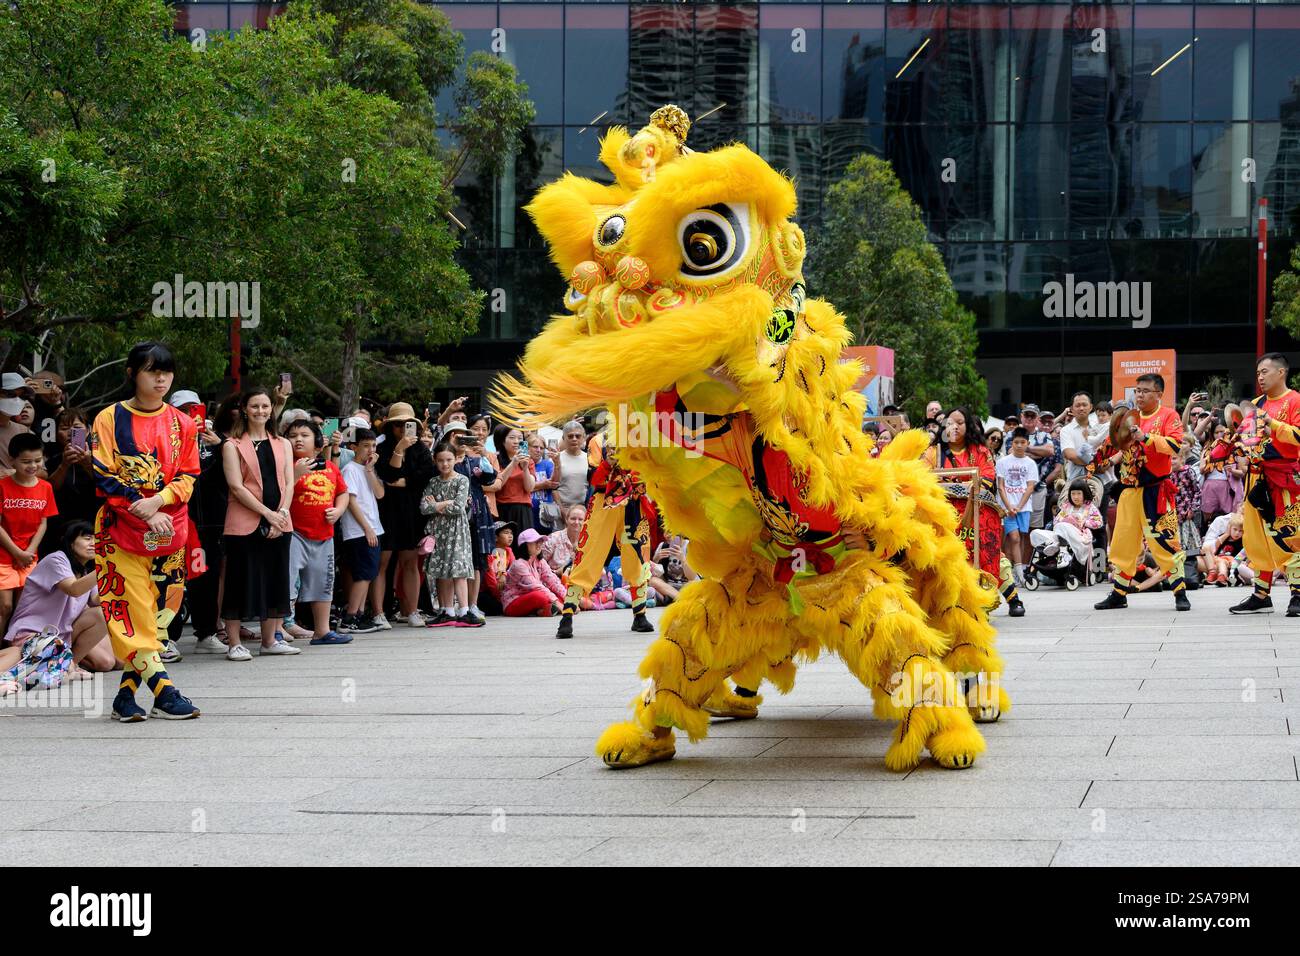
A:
[399,412]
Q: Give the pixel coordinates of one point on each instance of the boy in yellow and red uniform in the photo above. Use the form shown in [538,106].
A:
[1272,508]
[619,508]
[146,458]
[1147,506]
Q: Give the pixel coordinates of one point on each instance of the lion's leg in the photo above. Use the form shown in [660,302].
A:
[954,603]
[707,634]
[733,700]
[883,637]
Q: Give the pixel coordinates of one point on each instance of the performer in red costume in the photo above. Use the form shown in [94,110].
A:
[1272,508]
[1147,507]
[146,459]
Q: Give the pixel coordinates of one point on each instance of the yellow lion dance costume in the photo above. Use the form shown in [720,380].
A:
[688,324]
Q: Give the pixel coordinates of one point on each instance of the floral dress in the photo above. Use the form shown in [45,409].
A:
[452,556]
[1187,496]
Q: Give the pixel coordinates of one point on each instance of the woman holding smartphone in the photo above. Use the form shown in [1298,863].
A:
[516,478]
[72,476]
[405,466]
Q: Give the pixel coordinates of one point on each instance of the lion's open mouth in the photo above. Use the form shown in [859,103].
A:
[565,372]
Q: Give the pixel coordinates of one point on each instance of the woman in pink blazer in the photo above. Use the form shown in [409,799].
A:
[258,466]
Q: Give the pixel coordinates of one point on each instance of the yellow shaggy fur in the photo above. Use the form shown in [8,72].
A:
[686,289]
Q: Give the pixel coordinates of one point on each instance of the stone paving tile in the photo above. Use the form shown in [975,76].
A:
[1267,852]
[799,850]
[1205,746]
[368,849]
[1196,794]
[241,816]
[1087,824]
[939,790]
[46,814]
[1138,726]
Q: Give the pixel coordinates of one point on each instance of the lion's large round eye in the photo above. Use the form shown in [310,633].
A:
[714,239]
[611,230]
[703,245]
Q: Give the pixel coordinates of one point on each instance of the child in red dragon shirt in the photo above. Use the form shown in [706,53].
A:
[319,498]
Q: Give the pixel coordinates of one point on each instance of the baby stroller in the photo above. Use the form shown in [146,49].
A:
[1053,559]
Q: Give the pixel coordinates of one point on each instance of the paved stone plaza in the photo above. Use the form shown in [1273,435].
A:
[1134,740]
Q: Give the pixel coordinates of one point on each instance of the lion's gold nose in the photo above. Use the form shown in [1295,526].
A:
[632,272]
[586,275]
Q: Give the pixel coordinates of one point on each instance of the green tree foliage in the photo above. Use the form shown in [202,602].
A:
[304,157]
[872,260]
[1286,298]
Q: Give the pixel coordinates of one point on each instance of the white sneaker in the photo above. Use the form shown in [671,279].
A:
[209,645]
[381,623]
[170,653]
[278,648]
[414,619]
[238,653]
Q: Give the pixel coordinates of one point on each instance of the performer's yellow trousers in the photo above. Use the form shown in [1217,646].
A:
[1007,580]
[1271,546]
[139,595]
[1139,518]
[594,542]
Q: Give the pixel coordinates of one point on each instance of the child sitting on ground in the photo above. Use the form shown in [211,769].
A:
[671,572]
[1227,549]
[622,593]
[1148,575]
[601,597]
[531,587]
[499,561]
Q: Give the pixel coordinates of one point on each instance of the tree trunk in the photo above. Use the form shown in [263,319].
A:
[351,390]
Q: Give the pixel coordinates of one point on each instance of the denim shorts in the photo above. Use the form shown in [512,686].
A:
[1017,522]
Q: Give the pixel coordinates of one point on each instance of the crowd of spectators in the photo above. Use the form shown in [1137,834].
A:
[1073,470]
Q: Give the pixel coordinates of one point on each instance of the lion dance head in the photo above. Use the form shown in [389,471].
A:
[686,256]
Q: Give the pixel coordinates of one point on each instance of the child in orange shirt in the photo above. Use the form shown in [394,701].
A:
[26,504]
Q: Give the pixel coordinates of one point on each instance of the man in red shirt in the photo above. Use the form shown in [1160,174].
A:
[1272,507]
[1147,505]
[26,501]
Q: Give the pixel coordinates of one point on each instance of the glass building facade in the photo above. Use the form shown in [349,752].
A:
[1111,142]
